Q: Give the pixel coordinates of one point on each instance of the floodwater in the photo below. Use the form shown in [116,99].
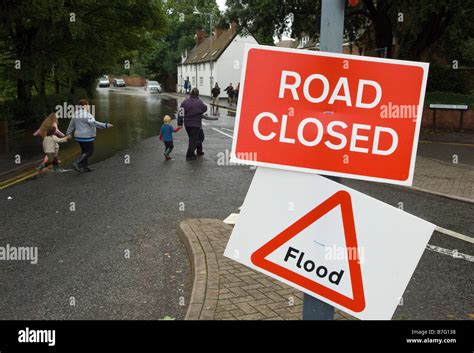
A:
[135,114]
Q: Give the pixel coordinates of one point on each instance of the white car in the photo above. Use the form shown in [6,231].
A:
[104,81]
[153,87]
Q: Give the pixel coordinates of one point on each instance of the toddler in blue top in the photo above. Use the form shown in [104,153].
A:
[166,135]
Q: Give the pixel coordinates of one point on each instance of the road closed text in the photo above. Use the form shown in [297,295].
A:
[321,113]
[363,138]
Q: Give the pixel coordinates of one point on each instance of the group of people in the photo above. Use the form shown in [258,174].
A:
[190,114]
[232,93]
[83,125]
[232,96]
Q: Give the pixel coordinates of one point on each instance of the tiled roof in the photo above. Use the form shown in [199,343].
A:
[288,43]
[202,53]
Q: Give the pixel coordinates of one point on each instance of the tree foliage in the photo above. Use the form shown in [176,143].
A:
[423,29]
[165,55]
[71,42]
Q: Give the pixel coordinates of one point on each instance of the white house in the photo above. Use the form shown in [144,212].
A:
[225,50]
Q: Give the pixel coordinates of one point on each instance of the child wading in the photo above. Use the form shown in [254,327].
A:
[51,149]
[50,121]
[84,127]
[166,135]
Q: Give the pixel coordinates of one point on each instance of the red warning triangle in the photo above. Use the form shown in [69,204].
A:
[342,198]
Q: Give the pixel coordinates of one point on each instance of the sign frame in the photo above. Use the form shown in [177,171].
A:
[408,182]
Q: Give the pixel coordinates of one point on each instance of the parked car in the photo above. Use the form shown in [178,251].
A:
[118,82]
[104,81]
[152,87]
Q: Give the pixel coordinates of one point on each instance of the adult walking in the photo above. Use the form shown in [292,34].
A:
[230,91]
[215,92]
[191,110]
[84,126]
[236,93]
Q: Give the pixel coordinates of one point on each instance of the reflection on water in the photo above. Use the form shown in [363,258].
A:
[135,115]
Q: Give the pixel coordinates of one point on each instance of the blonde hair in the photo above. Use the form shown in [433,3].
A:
[167,119]
[47,123]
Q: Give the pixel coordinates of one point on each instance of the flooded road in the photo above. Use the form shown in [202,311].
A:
[136,116]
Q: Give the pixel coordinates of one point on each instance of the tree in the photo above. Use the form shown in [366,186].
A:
[418,26]
[71,41]
[165,55]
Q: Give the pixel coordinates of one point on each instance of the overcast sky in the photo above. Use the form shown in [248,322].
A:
[221,4]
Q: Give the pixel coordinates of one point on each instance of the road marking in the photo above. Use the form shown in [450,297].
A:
[29,173]
[223,128]
[455,234]
[223,133]
[449,143]
[453,253]
[232,218]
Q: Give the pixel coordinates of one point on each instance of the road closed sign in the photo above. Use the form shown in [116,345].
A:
[329,241]
[327,113]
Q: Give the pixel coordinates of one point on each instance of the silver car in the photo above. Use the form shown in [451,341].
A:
[153,87]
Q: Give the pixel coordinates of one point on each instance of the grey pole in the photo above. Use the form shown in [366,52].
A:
[331,38]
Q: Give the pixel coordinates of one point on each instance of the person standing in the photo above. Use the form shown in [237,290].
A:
[186,85]
[215,92]
[236,93]
[230,91]
[84,126]
[51,149]
[166,135]
[192,109]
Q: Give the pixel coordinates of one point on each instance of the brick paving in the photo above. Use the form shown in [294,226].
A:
[226,290]
[452,180]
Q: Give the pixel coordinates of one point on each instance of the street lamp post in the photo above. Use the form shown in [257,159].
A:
[197,12]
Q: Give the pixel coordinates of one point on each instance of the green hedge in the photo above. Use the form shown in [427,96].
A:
[446,79]
[38,108]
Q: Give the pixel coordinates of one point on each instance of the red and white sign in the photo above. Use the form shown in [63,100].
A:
[329,241]
[340,199]
[328,113]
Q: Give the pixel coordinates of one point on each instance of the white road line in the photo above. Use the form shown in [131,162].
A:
[205,124]
[453,253]
[223,128]
[223,133]
[455,234]
[232,218]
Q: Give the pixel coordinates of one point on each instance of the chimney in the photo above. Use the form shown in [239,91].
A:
[200,36]
[219,31]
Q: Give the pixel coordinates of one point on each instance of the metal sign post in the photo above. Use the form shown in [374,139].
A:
[331,39]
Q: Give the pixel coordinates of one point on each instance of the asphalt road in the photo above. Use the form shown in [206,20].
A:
[119,209]
[138,207]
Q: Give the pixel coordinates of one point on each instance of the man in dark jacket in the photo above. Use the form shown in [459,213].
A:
[192,110]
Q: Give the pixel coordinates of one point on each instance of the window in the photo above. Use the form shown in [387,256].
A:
[214,52]
[204,55]
[201,81]
[305,40]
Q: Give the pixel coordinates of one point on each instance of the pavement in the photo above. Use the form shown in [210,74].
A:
[226,290]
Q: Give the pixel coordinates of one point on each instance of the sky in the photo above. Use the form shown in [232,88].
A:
[221,4]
